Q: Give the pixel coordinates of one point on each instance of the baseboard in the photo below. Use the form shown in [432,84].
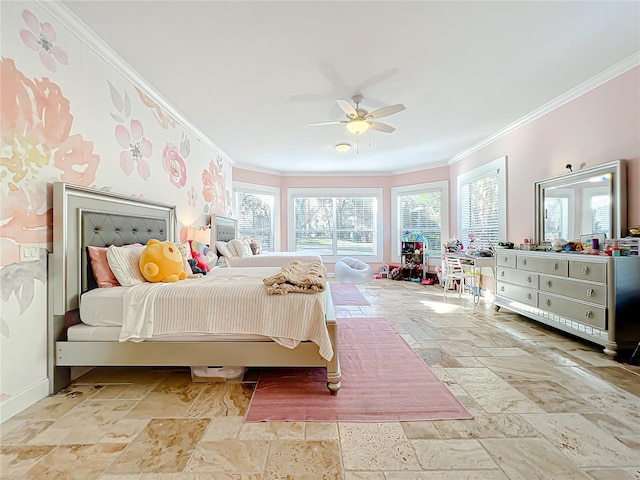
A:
[27,397]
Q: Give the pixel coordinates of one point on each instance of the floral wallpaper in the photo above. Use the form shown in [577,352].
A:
[66,115]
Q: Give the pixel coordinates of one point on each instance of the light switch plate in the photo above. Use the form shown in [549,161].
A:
[29,252]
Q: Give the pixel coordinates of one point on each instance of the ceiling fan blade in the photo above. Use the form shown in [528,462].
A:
[330,122]
[386,111]
[347,107]
[381,127]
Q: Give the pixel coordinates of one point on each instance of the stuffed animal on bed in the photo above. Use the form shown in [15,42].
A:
[203,255]
[162,262]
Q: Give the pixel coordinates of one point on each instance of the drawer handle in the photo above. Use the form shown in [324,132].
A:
[589,292]
[529,279]
[547,302]
[524,262]
[585,270]
[548,283]
[528,296]
[589,314]
[502,273]
[502,289]
[554,266]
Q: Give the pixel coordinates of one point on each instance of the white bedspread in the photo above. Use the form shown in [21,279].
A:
[225,301]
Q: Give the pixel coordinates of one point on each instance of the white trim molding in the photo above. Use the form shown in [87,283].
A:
[610,73]
[87,36]
[20,401]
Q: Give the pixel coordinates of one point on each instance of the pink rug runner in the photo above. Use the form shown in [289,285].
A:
[383,379]
[347,294]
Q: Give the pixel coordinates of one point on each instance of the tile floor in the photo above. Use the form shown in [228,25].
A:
[545,407]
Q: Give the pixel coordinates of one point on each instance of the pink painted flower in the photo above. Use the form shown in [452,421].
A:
[41,37]
[174,165]
[213,188]
[76,159]
[35,121]
[135,148]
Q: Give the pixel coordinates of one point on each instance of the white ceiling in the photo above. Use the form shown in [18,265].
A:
[252,75]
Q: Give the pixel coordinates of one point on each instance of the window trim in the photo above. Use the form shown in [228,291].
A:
[293,193]
[499,165]
[253,188]
[443,187]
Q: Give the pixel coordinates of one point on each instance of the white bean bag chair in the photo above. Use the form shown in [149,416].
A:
[352,270]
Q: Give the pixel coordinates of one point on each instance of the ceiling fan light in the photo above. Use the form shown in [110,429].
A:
[343,147]
[358,126]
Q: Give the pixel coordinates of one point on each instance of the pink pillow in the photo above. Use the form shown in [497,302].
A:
[101,270]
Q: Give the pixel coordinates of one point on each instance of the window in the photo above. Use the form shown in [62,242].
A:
[482,208]
[335,223]
[256,211]
[421,209]
[556,219]
[599,210]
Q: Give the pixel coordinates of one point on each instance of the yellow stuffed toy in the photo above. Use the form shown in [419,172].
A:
[162,262]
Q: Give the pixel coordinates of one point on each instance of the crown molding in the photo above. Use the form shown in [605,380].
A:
[432,165]
[391,173]
[609,74]
[77,27]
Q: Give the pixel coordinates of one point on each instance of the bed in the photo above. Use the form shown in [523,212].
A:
[225,229]
[87,217]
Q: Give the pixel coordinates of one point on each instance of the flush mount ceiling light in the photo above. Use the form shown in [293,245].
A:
[343,147]
[358,126]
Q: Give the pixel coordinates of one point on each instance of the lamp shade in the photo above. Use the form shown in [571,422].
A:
[199,234]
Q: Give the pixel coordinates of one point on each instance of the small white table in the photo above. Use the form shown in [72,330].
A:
[476,264]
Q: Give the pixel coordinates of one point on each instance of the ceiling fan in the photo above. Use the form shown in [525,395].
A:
[359,120]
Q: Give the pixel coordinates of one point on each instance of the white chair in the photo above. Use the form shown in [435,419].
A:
[352,270]
[454,271]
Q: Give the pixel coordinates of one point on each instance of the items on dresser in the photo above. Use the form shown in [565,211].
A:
[595,297]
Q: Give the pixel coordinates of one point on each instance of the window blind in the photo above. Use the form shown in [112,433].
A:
[480,209]
[421,213]
[255,214]
[341,226]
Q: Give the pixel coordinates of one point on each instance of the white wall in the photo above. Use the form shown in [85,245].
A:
[65,118]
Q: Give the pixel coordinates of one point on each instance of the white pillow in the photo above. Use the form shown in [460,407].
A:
[125,264]
[210,259]
[224,250]
[241,247]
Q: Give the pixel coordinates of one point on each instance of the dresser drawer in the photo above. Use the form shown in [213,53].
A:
[550,266]
[588,292]
[587,314]
[594,272]
[524,295]
[519,277]
[506,259]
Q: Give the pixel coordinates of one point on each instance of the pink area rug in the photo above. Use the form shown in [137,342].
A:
[346,294]
[383,380]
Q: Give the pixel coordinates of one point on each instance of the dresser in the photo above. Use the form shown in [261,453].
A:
[595,297]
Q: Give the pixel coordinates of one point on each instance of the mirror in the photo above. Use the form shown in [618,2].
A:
[586,202]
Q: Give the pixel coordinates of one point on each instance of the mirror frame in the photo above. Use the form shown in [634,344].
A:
[617,191]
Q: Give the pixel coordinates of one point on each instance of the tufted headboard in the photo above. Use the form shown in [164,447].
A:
[223,229]
[101,229]
[82,217]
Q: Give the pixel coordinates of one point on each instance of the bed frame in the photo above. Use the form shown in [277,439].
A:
[83,217]
[223,229]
